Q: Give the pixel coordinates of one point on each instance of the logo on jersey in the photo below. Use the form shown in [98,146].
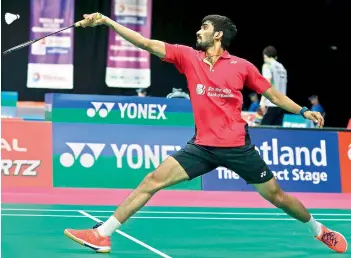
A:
[200,89]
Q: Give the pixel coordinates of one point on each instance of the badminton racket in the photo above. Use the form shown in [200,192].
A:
[25,44]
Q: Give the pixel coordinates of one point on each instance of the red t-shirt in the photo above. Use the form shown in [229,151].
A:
[215,93]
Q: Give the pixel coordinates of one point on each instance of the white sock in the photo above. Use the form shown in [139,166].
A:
[109,226]
[314,226]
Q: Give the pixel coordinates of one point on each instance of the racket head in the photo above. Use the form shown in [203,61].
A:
[18,47]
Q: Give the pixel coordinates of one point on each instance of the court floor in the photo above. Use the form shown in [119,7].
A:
[37,231]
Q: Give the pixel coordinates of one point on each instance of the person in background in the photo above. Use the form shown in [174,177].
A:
[141,92]
[254,102]
[276,74]
[316,106]
[178,93]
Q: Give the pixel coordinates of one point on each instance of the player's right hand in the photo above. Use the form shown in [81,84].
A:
[316,117]
[91,20]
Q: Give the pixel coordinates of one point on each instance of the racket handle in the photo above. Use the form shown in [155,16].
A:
[78,24]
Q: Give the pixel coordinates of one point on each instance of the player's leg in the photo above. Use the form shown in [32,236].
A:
[169,173]
[186,164]
[271,191]
[248,164]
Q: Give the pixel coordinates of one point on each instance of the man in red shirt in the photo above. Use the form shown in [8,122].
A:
[215,80]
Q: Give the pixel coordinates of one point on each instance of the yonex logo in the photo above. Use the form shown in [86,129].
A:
[103,108]
[263,174]
[87,160]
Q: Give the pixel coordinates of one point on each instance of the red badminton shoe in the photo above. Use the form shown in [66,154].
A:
[332,239]
[90,238]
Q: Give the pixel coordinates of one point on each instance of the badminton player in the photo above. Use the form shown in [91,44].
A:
[215,80]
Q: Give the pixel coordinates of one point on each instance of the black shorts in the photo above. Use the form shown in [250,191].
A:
[273,116]
[245,161]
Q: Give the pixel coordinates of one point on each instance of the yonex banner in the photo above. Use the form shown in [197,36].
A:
[118,110]
[301,160]
[51,59]
[114,141]
[113,156]
[26,154]
[127,65]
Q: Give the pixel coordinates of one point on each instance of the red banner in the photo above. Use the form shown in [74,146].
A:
[26,154]
[345,160]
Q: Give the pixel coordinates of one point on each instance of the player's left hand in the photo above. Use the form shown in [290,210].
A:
[316,117]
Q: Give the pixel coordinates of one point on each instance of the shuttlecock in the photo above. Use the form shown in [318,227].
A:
[10,18]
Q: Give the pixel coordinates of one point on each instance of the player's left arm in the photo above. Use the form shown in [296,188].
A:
[256,82]
[289,105]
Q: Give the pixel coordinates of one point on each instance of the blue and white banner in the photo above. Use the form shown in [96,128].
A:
[301,160]
[51,59]
[113,156]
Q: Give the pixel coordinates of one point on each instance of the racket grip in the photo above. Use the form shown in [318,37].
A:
[78,24]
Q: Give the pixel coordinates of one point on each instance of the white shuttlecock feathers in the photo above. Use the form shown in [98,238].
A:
[10,18]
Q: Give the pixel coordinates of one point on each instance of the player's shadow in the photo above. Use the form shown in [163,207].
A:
[84,252]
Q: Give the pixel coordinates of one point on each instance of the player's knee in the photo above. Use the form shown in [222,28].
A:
[152,183]
[278,199]
[275,196]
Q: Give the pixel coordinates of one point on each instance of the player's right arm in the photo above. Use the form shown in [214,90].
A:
[154,47]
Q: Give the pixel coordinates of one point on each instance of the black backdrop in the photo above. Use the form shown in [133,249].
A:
[302,31]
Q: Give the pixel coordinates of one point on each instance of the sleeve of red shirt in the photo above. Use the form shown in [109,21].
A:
[254,79]
[175,54]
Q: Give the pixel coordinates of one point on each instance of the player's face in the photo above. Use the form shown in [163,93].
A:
[205,36]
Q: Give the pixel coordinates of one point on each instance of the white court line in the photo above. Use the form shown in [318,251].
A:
[42,215]
[180,212]
[175,218]
[129,237]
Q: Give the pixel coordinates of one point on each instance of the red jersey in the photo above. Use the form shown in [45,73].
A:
[215,93]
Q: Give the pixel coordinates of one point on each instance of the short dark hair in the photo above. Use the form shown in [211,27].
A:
[224,24]
[270,51]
